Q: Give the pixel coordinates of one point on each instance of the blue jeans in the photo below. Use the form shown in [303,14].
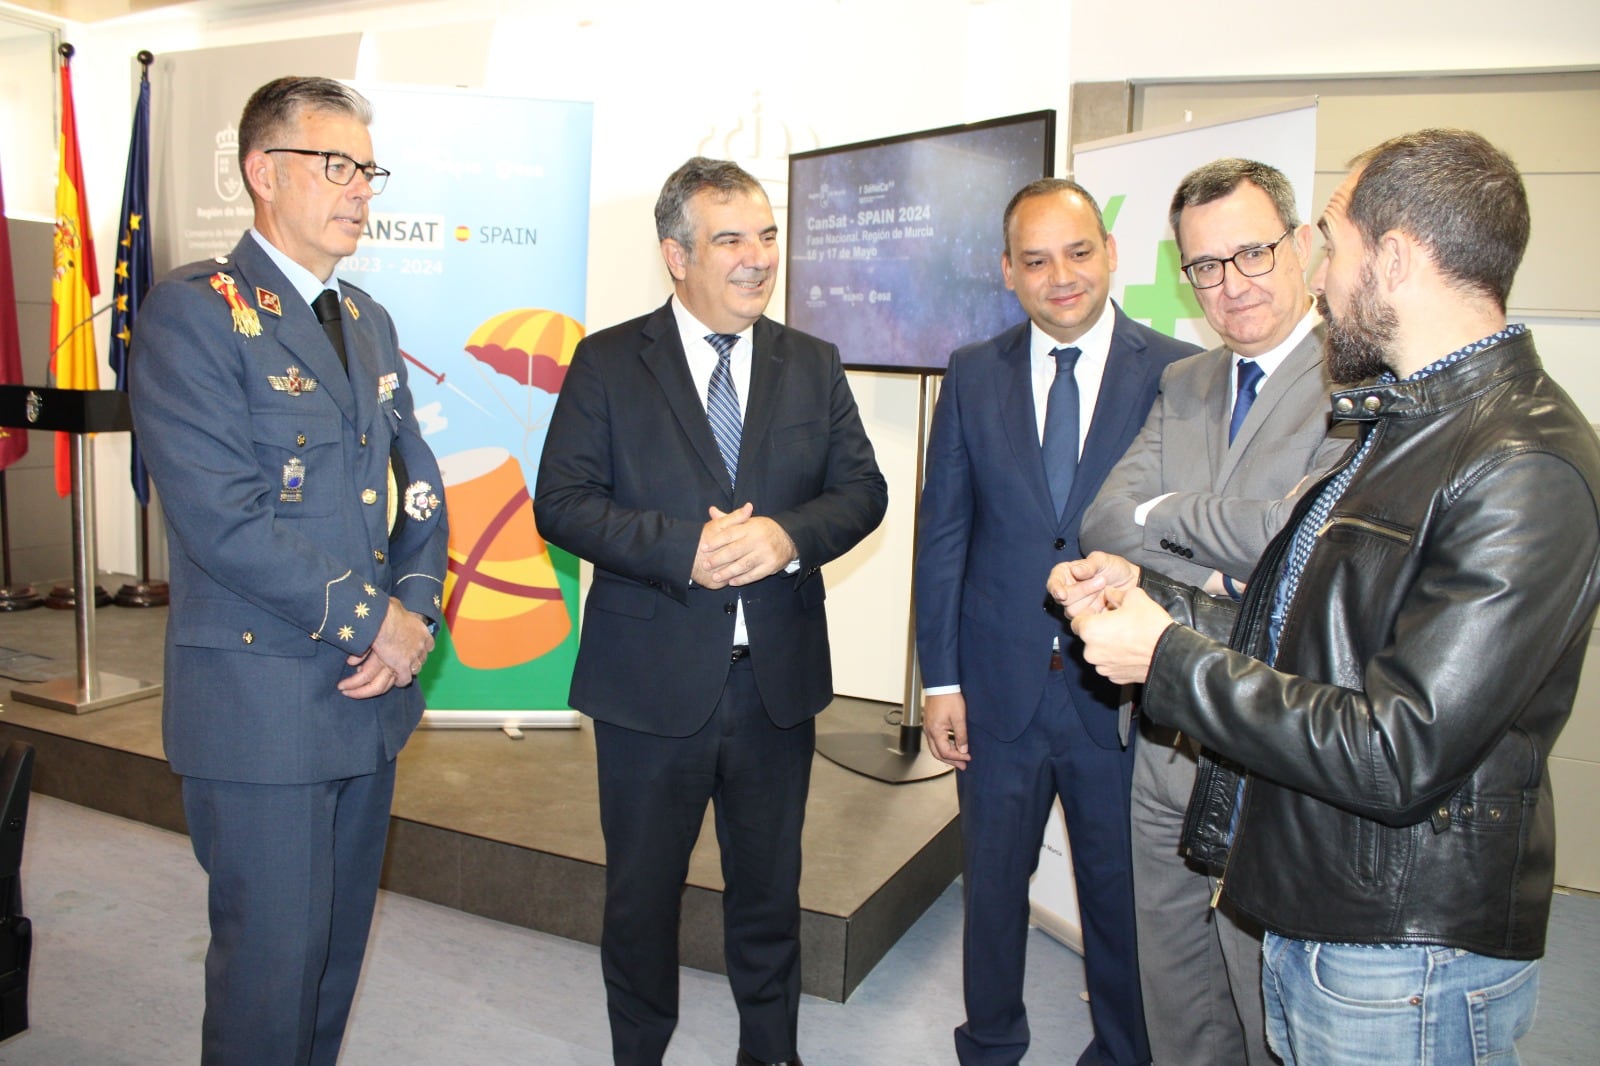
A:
[1360,1005]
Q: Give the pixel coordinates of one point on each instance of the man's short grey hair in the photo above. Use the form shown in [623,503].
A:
[698,175]
[1221,178]
[274,106]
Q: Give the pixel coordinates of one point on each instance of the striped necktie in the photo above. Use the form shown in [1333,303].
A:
[722,403]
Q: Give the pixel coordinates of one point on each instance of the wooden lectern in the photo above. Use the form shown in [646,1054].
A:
[79,412]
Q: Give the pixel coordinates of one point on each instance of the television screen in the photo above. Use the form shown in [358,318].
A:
[894,244]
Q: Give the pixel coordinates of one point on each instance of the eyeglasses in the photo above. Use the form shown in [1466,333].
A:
[1250,262]
[341,169]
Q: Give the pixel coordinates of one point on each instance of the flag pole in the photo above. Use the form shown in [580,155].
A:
[134,271]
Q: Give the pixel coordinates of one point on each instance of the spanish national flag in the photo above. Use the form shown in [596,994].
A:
[75,280]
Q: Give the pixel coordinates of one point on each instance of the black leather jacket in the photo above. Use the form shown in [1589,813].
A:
[1397,790]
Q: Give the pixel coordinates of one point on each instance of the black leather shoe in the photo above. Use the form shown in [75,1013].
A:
[747,1059]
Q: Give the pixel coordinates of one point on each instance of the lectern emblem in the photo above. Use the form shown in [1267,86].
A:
[34,405]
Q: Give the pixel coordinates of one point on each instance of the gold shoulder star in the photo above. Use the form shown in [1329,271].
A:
[347,633]
[370,590]
[362,610]
[436,601]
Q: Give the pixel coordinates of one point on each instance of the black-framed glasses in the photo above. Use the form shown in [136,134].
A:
[1250,262]
[341,169]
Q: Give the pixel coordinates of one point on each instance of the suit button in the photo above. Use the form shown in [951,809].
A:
[1188,553]
[728,608]
[378,555]
[363,440]
[300,439]
[1166,545]
[369,496]
[1060,543]
[248,637]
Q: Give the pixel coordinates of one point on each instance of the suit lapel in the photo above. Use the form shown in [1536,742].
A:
[361,347]
[664,358]
[1018,418]
[1126,378]
[768,360]
[1305,359]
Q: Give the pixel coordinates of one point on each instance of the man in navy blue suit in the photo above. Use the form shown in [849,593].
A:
[1027,426]
[307,542]
[708,461]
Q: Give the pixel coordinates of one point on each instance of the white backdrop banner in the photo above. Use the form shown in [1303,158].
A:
[1133,177]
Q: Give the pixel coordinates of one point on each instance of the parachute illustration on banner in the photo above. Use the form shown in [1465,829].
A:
[502,601]
[533,348]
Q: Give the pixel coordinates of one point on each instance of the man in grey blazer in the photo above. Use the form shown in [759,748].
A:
[1233,434]
[308,546]
[708,461]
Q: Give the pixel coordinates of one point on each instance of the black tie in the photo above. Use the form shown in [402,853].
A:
[326,305]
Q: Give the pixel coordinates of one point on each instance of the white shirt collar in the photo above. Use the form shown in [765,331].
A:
[307,284]
[1270,360]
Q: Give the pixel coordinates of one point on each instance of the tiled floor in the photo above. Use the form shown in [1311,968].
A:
[118,912]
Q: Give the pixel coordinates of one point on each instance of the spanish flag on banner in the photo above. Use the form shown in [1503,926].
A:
[75,280]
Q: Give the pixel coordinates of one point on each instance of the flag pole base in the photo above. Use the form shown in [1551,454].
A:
[19,598]
[65,597]
[142,594]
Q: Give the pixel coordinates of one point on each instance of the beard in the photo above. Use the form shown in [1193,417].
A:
[1358,343]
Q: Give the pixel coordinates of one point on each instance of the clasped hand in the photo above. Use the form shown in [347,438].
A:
[739,548]
[395,658]
[1118,624]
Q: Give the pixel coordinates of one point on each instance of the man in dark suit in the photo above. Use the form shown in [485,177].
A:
[708,462]
[1212,476]
[305,577]
[1027,426]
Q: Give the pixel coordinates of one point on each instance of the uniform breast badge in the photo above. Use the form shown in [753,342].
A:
[293,382]
[421,501]
[294,481]
[269,301]
[350,305]
[245,319]
[386,386]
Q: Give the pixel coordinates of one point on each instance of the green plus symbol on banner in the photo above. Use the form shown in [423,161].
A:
[1167,299]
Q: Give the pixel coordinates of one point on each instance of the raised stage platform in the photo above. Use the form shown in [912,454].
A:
[510,829]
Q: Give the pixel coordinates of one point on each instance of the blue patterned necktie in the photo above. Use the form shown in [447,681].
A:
[1060,444]
[722,403]
[1250,376]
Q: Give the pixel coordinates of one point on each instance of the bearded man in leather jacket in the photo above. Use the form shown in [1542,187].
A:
[1384,700]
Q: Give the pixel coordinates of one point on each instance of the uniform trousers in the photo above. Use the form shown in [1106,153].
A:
[293,879]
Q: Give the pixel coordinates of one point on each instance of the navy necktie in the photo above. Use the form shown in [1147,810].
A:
[1061,428]
[1250,376]
[722,403]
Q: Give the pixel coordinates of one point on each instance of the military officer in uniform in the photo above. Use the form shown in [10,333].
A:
[308,548]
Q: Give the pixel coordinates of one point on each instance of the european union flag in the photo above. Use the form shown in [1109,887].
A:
[133,261]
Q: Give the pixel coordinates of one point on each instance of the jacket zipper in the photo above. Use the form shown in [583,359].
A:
[1377,528]
[1233,842]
